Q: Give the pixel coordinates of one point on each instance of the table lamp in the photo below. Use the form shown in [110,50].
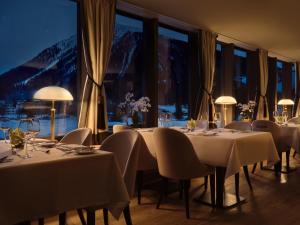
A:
[225,100]
[53,94]
[285,102]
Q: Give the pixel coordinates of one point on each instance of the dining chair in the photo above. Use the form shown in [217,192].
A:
[242,126]
[177,160]
[125,146]
[239,125]
[140,171]
[118,128]
[295,119]
[80,136]
[280,143]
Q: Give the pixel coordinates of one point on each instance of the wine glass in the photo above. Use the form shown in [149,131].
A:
[30,128]
[285,116]
[162,120]
[167,120]
[4,126]
[217,119]
[276,116]
[34,130]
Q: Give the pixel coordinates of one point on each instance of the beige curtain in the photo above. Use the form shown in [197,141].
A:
[298,89]
[97,24]
[208,64]
[263,112]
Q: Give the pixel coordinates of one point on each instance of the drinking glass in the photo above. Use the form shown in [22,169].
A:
[161,120]
[285,116]
[276,116]
[168,117]
[31,128]
[218,119]
[4,126]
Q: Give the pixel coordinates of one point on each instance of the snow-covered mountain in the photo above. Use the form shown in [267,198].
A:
[55,65]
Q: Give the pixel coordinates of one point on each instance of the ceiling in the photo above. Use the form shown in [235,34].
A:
[269,24]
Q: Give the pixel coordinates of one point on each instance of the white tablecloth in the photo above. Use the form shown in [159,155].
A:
[48,184]
[227,149]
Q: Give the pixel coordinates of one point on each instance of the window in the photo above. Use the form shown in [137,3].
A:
[294,82]
[173,93]
[125,67]
[38,45]
[217,88]
[280,75]
[240,79]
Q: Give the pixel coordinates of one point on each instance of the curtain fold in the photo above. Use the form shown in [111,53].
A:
[208,50]
[97,28]
[297,100]
[262,113]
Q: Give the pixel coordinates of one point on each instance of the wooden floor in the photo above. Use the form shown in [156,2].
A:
[274,201]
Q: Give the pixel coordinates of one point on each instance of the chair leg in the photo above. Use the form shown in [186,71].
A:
[237,186]
[254,168]
[139,178]
[91,217]
[205,182]
[294,155]
[81,216]
[212,190]
[287,153]
[180,189]
[105,216]
[261,165]
[245,168]
[41,221]
[162,192]
[127,215]
[62,218]
[186,188]
[278,165]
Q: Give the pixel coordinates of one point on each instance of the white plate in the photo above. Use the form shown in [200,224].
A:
[47,144]
[210,134]
[85,151]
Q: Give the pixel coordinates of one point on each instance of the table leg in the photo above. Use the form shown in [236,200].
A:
[222,200]
[220,180]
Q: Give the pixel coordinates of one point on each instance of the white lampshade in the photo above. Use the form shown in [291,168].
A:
[225,100]
[285,101]
[53,93]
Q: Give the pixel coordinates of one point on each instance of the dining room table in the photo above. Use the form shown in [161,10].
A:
[227,150]
[54,181]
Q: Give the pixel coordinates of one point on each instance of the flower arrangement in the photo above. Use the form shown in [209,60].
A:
[16,138]
[191,124]
[130,107]
[246,110]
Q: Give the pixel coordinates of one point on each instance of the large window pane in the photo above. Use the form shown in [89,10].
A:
[294,82]
[38,45]
[279,79]
[125,67]
[173,74]
[240,82]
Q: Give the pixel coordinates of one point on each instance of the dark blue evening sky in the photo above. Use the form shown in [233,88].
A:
[28,27]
